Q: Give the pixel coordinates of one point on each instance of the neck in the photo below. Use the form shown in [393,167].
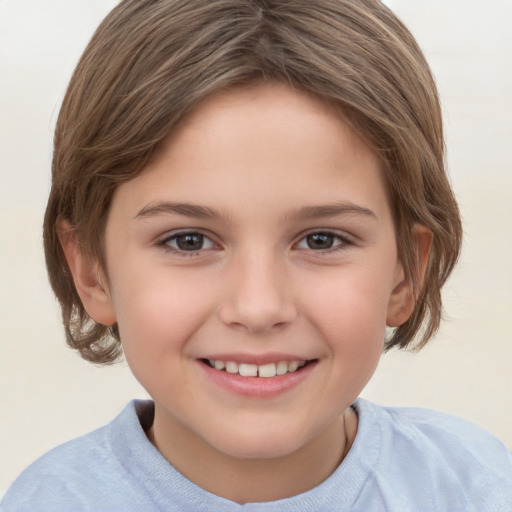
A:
[254,479]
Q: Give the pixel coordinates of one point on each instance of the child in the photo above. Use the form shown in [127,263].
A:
[245,194]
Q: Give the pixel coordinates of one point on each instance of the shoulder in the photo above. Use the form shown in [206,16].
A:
[77,475]
[453,439]
[59,476]
[451,458]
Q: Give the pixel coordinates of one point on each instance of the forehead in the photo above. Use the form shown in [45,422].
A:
[267,142]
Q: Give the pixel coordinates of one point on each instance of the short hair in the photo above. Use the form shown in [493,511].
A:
[151,62]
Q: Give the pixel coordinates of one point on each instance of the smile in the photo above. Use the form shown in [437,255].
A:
[268,379]
[253,370]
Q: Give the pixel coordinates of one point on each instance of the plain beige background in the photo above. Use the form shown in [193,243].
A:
[49,395]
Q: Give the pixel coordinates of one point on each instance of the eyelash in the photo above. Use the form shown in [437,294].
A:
[343,242]
[165,243]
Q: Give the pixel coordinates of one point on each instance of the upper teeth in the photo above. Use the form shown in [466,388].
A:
[257,370]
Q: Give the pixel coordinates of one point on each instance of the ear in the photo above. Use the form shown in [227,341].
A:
[404,296]
[90,281]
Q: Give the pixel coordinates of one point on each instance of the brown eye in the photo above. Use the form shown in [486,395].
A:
[188,242]
[320,241]
[323,241]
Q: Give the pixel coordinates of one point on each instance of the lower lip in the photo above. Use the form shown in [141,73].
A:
[258,387]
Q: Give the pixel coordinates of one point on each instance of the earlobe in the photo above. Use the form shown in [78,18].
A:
[90,282]
[405,292]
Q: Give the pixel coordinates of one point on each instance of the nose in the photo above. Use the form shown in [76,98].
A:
[258,297]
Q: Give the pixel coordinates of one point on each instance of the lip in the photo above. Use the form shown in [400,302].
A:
[258,387]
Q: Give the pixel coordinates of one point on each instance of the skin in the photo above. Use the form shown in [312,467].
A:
[269,166]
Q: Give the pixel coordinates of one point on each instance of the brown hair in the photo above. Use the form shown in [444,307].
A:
[151,62]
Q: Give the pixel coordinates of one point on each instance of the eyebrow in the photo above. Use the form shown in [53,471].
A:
[204,212]
[186,209]
[333,210]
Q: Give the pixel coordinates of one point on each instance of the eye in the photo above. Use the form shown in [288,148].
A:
[322,241]
[190,241]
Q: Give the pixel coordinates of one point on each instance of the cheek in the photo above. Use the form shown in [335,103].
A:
[350,309]
[157,313]
[353,326]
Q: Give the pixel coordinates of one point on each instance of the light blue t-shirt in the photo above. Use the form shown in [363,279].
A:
[403,459]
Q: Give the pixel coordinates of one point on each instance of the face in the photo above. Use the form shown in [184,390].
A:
[252,268]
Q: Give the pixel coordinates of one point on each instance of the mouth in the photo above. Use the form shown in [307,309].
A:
[263,377]
[267,370]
